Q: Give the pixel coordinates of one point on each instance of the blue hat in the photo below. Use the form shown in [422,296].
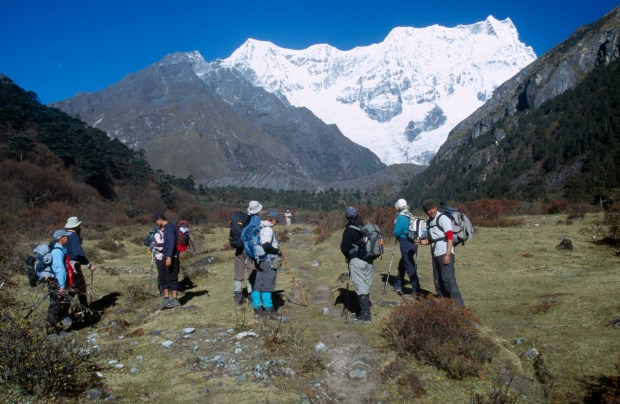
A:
[61,233]
[274,214]
[350,212]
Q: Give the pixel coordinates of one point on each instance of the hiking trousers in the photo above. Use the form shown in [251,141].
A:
[361,275]
[406,265]
[79,284]
[445,280]
[243,266]
[168,277]
[59,305]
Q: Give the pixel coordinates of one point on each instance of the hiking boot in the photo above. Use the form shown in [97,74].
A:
[164,304]
[173,303]
[271,314]
[399,292]
[258,314]
[238,298]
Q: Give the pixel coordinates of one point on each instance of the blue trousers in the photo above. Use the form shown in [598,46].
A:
[407,265]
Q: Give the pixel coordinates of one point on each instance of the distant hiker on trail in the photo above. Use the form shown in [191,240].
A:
[268,265]
[243,265]
[360,270]
[288,216]
[408,250]
[58,285]
[168,270]
[441,239]
[78,260]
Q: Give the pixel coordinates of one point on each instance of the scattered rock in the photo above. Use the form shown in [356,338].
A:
[244,334]
[531,353]
[358,374]
[314,263]
[566,245]
[521,340]
[321,347]
[167,344]
[188,330]
[325,311]
[134,371]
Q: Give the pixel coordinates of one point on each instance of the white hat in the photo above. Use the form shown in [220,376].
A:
[72,222]
[400,204]
[254,207]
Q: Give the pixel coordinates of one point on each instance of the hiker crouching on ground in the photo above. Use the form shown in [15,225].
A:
[244,267]
[441,239]
[268,265]
[58,285]
[360,270]
[408,250]
[78,260]
[168,270]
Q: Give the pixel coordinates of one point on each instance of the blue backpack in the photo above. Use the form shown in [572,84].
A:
[251,241]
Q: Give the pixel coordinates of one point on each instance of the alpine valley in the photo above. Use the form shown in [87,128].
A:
[319,117]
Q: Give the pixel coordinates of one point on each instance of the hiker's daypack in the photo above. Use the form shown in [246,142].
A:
[417,227]
[372,241]
[183,237]
[39,264]
[461,225]
[250,235]
[237,222]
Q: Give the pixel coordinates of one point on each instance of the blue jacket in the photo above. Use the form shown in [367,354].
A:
[170,241]
[58,265]
[401,225]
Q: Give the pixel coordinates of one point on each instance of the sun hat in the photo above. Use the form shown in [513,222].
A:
[400,204]
[72,222]
[254,207]
[350,212]
[274,214]
[61,233]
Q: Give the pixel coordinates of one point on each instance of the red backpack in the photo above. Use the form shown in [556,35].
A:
[183,239]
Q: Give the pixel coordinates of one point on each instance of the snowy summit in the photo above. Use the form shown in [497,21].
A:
[401,97]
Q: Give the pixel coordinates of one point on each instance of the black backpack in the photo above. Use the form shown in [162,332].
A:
[237,222]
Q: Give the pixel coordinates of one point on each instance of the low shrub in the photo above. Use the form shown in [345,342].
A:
[32,364]
[108,244]
[441,333]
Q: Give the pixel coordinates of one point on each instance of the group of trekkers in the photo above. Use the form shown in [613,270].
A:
[438,234]
[66,278]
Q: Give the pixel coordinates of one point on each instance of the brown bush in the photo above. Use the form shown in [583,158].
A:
[108,244]
[555,206]
[492,212]
[441,333]
[333,221]
[408,381]
[33,365]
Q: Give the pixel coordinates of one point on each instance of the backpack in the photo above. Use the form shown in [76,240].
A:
[461,225]
[183,238]
[251,241]
[372,245]
[237,222]
[39,265]
[417,227]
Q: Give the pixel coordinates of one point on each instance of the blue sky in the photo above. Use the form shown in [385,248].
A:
[59,48]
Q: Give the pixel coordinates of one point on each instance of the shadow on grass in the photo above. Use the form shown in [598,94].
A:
[348,299]
[97,309]
[190,295]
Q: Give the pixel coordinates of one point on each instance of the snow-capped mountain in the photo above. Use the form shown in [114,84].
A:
[399,98]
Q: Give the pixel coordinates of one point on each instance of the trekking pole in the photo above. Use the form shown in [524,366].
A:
[294,280]
[152,261]
[387,278]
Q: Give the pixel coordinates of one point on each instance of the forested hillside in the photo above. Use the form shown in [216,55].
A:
[569,148]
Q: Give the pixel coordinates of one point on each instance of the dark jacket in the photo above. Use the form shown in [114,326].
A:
[351,239]
[74,249]
[170,241]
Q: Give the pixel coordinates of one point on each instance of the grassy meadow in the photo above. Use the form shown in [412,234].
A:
[562,303]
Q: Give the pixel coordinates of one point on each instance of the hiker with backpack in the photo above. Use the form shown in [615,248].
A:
[243,265]
[289,217]
[408,250]
[268,261]
[168,266]
[58,283]
[440,236]
[78,260]
[360,269]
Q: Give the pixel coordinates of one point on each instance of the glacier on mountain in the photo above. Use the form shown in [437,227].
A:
[401,97]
